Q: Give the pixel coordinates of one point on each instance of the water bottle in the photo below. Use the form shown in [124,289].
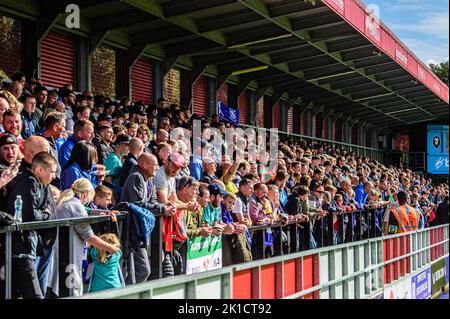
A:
[18,209]
[85,263]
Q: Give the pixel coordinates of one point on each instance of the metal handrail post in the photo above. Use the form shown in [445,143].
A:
[293,238]
[258,248]
[67,270]
[156,250]
[341,235]
[373,223]
[8,265]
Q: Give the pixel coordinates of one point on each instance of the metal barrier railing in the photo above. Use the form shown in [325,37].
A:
[65,228]
[212,284]
[354,268]
[363,226]
[349,271]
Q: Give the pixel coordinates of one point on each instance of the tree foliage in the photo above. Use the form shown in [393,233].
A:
[441,71]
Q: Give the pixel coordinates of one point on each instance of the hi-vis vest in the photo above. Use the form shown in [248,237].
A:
[406,217]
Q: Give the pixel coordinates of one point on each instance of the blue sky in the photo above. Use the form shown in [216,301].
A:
[423,25]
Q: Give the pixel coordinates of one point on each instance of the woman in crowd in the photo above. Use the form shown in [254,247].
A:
[83,164]
[71,204]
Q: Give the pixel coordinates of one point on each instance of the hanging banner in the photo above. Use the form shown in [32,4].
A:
[421,284]
[402,143]
[227,113]
[203,254]
[438,270]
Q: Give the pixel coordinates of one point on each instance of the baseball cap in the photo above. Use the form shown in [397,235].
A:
[215,189]
[345,168]
[177,159]
[123,139]
[8,139]
[104,117]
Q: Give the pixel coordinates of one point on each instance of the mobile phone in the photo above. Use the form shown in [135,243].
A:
[16,165]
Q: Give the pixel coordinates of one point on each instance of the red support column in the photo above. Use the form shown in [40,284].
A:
[298,274]
[279,280]
[255,283]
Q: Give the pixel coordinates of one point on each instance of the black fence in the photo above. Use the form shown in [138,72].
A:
[358,225]
[352,226]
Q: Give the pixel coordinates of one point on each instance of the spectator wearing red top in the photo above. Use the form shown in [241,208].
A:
[12,123]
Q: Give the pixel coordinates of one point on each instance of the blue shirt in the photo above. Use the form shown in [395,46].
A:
[360,196]
[74,172]
[59,142]
[66,150]
[227,217]
[196,167]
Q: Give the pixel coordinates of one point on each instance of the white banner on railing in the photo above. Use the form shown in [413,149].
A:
[203,254]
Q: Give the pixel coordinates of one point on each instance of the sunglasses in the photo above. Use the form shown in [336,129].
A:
[185,183]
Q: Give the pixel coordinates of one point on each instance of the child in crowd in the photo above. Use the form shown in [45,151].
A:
[55,193]
[232,253]
[102,201]
[102,198]
[107,273]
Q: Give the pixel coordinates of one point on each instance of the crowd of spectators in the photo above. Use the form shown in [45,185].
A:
[70,154]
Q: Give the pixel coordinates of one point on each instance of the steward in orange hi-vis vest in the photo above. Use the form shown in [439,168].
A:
[407,218]
[402,218]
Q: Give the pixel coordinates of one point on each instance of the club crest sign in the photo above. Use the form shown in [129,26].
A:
[436,142]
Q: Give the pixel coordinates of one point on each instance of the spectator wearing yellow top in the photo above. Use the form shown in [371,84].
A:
[229,173]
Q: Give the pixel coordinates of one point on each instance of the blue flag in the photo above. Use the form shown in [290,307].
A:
[228,114]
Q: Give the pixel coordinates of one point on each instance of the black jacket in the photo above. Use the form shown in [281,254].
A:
[54,153]
[37,202]
[125,171]
[103,150]
[442,213]
[293,205]
[332,209]
[142,192]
